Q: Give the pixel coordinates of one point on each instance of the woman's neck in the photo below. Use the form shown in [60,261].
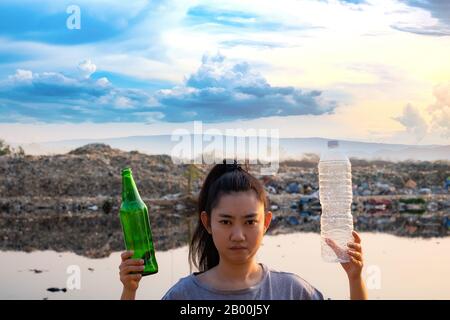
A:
[227,276]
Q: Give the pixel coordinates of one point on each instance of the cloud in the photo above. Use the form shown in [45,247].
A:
[56,97]
[354,1]
[224,91]
[440,110]
[426,31]
[103,82]
[413,121]
[254,43]
[219,91]
[86,68]
[205,14]
[47,86]
[242,20]
[439,9]
[22,75]
[123,103]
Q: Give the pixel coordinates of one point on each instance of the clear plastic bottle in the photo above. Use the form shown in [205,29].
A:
[335,192]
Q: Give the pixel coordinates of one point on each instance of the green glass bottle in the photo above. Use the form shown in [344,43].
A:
[136,225]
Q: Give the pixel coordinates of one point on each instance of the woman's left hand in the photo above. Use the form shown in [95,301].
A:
[354,267]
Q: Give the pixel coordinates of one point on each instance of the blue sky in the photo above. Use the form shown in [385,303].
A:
[371,70]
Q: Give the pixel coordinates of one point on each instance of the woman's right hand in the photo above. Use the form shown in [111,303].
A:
[128,268]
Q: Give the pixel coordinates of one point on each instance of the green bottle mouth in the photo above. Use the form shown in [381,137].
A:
[126,171]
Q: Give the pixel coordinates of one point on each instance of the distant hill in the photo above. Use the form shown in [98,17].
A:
[290,148]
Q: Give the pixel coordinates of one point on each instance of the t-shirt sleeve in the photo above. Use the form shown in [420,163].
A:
[177,291]
[305,291]
[169,295]
[290,286]
[312,293]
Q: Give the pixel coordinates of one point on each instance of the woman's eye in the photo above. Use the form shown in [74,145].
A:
[224,221]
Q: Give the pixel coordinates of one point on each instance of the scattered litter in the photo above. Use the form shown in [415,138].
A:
[56,289]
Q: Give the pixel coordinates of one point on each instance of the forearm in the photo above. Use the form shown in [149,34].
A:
[358,289]
[128,295]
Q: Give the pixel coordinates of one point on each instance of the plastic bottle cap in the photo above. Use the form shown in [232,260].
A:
[333,144]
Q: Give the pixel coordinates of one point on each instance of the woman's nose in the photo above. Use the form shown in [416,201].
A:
[237,234]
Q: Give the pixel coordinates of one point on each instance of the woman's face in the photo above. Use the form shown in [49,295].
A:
[237,225]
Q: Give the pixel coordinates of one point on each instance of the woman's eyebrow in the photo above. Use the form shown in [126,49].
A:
[225,215]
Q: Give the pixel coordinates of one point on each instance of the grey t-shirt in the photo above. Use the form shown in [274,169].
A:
[274,285]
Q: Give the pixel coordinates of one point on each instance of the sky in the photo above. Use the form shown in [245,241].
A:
[365,70]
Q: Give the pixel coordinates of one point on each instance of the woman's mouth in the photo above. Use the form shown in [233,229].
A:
[238,248]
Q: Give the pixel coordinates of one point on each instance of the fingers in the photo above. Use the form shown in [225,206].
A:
[356,236]
[333,245]
[131,277]
[355,261]
[134,276]
[354,252]
[355,246]
[128,269]
[131,263]
[356,255]
[126,255]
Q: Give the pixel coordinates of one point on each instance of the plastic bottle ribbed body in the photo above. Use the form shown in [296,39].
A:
[335,188]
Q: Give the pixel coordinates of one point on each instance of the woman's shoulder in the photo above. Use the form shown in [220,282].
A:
[299,287]
[178,290]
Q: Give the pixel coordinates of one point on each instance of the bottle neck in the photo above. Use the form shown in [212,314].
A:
[129,189]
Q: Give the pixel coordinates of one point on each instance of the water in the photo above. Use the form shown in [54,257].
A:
[395,268]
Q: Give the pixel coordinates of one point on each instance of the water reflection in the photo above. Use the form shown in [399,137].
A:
[396,268]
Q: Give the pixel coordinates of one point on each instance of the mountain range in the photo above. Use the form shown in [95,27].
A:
[289,148]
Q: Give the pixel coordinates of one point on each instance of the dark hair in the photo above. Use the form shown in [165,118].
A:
[222,179]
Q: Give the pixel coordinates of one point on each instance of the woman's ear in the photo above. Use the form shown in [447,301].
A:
[267,219]
[205,221]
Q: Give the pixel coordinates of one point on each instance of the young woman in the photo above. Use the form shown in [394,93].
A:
[233,218]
